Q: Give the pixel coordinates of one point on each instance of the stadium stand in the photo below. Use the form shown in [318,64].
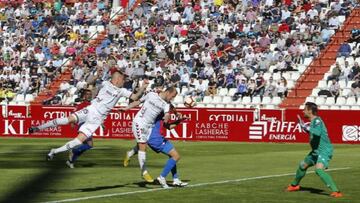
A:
[223,53]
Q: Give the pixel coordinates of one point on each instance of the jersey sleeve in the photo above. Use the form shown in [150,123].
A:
[144,97]
[167,108]
[125,93]
[316,128]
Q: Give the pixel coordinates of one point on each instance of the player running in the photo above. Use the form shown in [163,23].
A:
[158,143]
[154,105]
[93,115]
[320,154]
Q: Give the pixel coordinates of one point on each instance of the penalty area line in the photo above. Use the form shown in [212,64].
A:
[189,186]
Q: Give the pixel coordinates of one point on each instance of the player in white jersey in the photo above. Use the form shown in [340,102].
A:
[154,104]
[93,115]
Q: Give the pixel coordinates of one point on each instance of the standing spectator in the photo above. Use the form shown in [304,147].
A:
[251,86]
[260,85]
[24,86]
[270,88]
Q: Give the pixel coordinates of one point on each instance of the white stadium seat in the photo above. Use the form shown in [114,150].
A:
[217,100]
[341,101]
[334,107]
[207,100]
[179,99]
[232,91]
[266,100]
[246,100]
[351,101]
[345,107]
[330,101]
[320,100]
[227,100]
[276,100]
[223,92]
[256,100]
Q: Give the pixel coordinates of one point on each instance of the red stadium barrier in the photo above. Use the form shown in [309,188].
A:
[242,125]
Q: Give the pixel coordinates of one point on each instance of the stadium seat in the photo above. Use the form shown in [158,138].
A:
[330,101]
[290,84]
[342,84]
[179,99]
[315,92]
[220,106]
[232,91]
[276,76]
[266,100]
[210,106]
[19,97]
[345,92]
[302,106]
[223,92]
[310,99]
[295,76]
[180,105]
[307,61]
[276,100]
[355,107]
[323,107]
[350,101]
[184,90]
[269,106]
[230,106]
[200,105]
[320,100]
[207,100]
[256,100]
[227,100]
[246,100]
[267,75]
[301,68]
[240,106]
[345,107]
[341,101]
[29,98]
[217,100]
[322,84]
[334,107]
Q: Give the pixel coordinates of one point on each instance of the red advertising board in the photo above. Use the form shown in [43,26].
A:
[244,125]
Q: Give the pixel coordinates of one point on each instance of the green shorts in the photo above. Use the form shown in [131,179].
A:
[311,159]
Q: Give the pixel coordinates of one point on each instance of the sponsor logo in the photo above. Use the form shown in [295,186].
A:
[228,118]
[274,130]
[56,114]
[174,134]
[13,114]
[350,133]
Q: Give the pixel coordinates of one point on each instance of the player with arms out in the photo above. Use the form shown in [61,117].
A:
[320,154]
[93,115]
[154,104]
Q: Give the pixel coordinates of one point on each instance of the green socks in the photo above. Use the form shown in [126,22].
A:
[326,178]
[300,173]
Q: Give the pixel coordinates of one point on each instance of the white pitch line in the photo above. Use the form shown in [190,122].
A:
[189,186]
[44,150]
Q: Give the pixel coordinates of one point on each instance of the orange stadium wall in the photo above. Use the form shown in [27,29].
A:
[239,125]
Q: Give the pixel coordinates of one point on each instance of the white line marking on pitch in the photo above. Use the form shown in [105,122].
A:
[189,186]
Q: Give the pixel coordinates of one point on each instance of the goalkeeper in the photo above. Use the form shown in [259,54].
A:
[320,154]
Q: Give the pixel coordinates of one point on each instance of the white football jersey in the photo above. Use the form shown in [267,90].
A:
[153,106]
[107,98]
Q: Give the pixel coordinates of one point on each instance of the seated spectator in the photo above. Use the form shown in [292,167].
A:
[335,73]
[355,89]
[200,89]
[211,91]
[270,88]
[260,85]
[344,50]
[67,99]
[355,71]
[241,90]
[355,37]
[251,86]
[281,88]
[335,89]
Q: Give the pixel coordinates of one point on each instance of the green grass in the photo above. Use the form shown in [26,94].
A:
[26,177]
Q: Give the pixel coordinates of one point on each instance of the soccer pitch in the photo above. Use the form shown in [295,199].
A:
[216,172]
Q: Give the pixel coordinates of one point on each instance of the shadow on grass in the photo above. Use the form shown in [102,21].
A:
[30,190]
[144,184]
[314,190]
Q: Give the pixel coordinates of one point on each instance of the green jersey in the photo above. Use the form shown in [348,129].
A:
[319,139]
